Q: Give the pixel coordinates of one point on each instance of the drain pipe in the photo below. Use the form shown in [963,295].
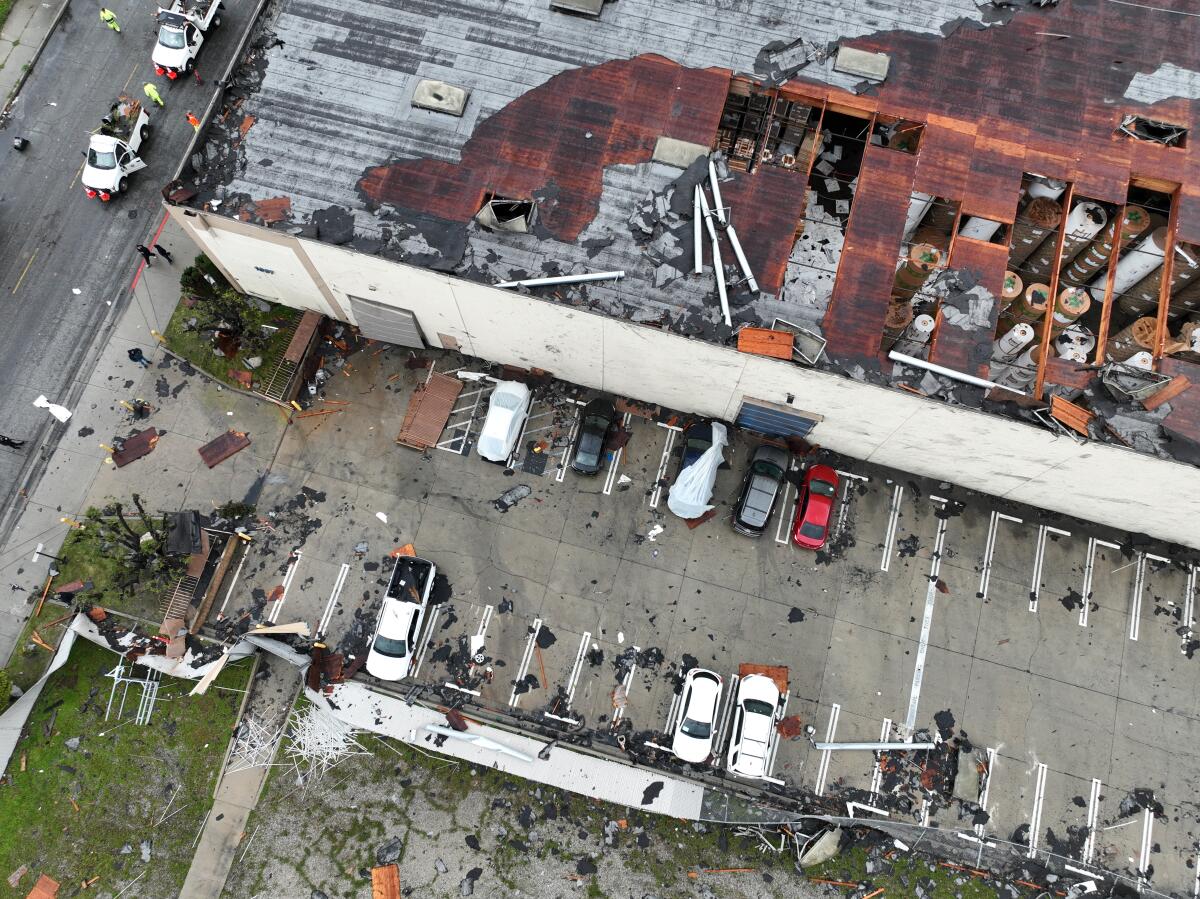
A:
[719,209]
[564,279]
[949,372]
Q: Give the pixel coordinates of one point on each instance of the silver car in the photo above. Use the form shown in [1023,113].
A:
[764,482]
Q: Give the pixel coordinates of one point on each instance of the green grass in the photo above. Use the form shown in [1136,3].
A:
[28,661]
[902,871]
[121,781]
[5,8]
[198,349]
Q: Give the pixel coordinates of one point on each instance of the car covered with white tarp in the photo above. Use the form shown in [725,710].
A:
[691,494]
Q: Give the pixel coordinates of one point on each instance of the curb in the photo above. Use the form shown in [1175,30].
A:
[28,70]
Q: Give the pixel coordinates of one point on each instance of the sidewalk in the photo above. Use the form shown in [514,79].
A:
[29,24]
[190,410]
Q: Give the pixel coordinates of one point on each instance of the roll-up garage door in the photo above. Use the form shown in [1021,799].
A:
[390,324]
[775,420]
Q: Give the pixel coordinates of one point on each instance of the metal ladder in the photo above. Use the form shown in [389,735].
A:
[177,602]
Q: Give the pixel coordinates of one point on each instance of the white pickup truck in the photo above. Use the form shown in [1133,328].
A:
[112,153]
[181,32]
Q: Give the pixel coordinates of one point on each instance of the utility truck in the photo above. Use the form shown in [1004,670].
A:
[181,33]
[112,153]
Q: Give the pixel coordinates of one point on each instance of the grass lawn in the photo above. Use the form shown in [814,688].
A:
[198,349]
[29,661]
[5,8]
[122,777]
[902,871]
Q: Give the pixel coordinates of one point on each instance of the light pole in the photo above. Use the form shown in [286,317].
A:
[39,553]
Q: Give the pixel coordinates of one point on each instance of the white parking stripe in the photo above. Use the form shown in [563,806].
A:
[615,462]
[1089,571]
[893,521]
[1189,606]
[1035,822]
[333,599]
[618,714]
[662,464]
[989,550]
[577,669]
[273,615]
[1093,815]
[823,769]
[570,448]
[526,658]
[1143,860]
[1135,603]
[1039,558]
[877,773]
[986,792]
[914,694]
[424,645]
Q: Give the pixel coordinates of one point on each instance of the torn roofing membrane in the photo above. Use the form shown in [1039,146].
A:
[566,111]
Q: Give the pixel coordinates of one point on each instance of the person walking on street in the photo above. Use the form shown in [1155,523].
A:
[136,355]
[193,121]
[109,18]
[9,442]
[146,253]
[162,251]
[152,92]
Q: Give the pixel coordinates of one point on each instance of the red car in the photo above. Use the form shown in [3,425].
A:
[814,507]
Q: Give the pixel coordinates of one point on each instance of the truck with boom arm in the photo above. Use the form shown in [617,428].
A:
[112,153]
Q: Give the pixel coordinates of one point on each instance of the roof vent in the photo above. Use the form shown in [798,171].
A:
[861,63]
[583,7]
[439,96]
[502,214]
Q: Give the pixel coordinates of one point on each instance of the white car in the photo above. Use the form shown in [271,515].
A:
[753,726]
[401,618]
[506,415]
[693,741]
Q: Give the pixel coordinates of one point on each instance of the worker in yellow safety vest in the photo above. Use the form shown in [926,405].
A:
[109,18]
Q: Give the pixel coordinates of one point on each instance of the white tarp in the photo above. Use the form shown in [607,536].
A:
[12,722]
[692,490]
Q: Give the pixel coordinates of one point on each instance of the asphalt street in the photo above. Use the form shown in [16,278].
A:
[67,262]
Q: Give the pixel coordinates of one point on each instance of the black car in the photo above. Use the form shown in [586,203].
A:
[598,417]
[697,438]
[764,481]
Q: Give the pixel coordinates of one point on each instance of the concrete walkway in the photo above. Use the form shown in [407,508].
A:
[190,409]
[271,699]
[29,24]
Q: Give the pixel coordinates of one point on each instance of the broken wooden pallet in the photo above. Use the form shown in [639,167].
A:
[428,411]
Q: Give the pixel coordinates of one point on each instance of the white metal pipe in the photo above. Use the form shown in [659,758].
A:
[719,207]
[1139,262]
[741,258]
[876,747]
[479,740]
[918,205]
[564,279]
[948,372]
[698,249]
[718,265]
[978,228]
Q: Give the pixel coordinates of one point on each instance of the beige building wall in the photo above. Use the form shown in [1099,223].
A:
[1002,457]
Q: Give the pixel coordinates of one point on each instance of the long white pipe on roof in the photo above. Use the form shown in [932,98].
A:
[717,263]
[948,372]
[698,249]
[563,279]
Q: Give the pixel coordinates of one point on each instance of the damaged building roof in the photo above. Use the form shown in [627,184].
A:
[319,136]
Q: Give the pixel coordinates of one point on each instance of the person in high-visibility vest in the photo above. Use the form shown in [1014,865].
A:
[152,93]
[193,121]
[109,18]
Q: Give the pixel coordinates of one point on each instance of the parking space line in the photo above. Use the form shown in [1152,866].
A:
[289,576]
[823,769]
[238,573]
[570,447]
[989,549]
[618,714]
[1039,558]
[986,792]
[1196,882]
[782,529]
[526,658]
[893,523]
[935,567]
[668,445]
[1139,587]
[877,774]
[614,462]
[1093,815]
[462,416]
[1089,571]
[1189,607]
[1035,823]
[577,668]
[774,751]
[333,599]
[727,714]
[1143,864]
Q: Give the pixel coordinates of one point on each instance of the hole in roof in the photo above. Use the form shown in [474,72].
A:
[506,214]
[1165,133]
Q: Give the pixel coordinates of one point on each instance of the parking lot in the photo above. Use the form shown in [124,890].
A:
[1064,658]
